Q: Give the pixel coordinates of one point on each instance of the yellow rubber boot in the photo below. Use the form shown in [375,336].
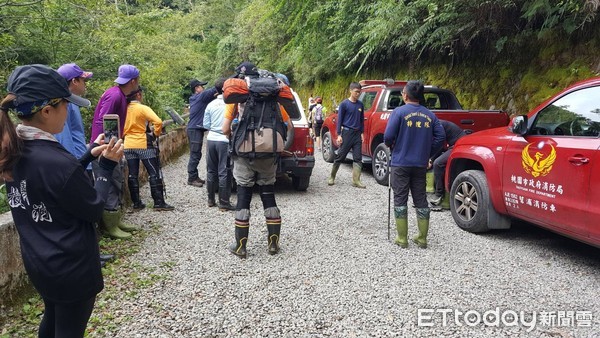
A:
[423,226]
[356,171]
[111,220]
[401,216]
[334,170]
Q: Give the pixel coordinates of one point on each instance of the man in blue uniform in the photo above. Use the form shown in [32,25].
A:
[414,134]
[198,101]
[350,127]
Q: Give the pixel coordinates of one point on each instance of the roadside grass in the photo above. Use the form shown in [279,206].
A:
[3,199]
[123,279]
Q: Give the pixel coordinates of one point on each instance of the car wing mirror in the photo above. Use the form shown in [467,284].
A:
[519,125]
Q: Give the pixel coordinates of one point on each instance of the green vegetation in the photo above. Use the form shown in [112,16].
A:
[3,199]
[123,278]
[320,45]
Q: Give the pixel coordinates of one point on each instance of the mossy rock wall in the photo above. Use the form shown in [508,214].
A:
[516,82]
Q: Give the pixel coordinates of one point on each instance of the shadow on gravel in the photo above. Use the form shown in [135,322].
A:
[527,234]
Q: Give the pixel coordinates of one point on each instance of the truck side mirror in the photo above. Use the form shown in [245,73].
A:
[519,125]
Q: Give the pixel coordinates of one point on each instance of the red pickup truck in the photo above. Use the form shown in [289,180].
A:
[380,97]
[543,169]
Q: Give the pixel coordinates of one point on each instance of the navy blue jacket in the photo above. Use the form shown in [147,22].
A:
[351,115]
[414,133]
[198,103]
[54,205]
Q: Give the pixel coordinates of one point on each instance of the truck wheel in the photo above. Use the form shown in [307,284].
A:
[327,148]
[300,183]
[470,201]
[381,159]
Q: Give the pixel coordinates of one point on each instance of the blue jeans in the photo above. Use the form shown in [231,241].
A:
[195,137]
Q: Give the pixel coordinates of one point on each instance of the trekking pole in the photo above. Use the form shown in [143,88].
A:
[389,195]
[160,173]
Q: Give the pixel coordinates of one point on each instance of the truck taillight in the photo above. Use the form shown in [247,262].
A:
[310,146]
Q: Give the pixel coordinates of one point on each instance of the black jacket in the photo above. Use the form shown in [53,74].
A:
[54,205]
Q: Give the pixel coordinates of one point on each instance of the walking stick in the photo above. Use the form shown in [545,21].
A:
[389,195]
[160,173]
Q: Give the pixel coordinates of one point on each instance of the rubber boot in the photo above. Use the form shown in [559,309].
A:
[423,226]
[430,182]
[356,171]
[134,192]
[401,216]
[242,229]
[446,201]
[274,228]
[110,220]
[224,195]
[210,190]
[156,190]
[334,170]
[126,226]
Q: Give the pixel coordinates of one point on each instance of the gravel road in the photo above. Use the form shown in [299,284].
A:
[338,276]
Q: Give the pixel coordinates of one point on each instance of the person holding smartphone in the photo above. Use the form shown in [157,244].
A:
[114,101]
[53,202]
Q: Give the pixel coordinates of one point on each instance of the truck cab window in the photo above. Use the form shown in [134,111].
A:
[575,114]
[432,101]
[367,99]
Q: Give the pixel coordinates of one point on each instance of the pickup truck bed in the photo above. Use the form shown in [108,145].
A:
[380,98]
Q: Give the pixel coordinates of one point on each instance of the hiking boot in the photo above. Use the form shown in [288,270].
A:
[196,183]
[226,206]
[210,191]
[157,192]
[139,205]
[435,200]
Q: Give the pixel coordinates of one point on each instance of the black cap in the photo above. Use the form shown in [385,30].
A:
[33,83]
[195,83]
[246,68]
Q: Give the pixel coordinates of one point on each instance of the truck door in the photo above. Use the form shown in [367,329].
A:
[546,174]
[594,196]
[369,99]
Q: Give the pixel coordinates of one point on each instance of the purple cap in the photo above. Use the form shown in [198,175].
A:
[36,84]
[70,71]
[126,74]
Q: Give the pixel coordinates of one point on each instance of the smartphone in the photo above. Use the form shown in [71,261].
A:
[111,126]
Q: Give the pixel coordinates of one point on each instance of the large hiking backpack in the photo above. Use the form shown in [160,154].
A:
[260,132]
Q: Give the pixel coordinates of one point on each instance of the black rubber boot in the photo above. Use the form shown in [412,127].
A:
[210,190]
[134,192]
[272,216]
[242,229]
[224,195]
[274,227]
[156,190]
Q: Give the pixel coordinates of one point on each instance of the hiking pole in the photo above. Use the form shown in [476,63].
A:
[389,195]
[160,173]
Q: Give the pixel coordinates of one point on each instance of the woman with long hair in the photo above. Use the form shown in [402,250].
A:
[53,203]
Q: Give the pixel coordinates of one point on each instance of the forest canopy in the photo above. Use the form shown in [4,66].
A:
[173,41]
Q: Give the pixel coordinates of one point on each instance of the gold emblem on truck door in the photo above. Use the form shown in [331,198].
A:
[540,164]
